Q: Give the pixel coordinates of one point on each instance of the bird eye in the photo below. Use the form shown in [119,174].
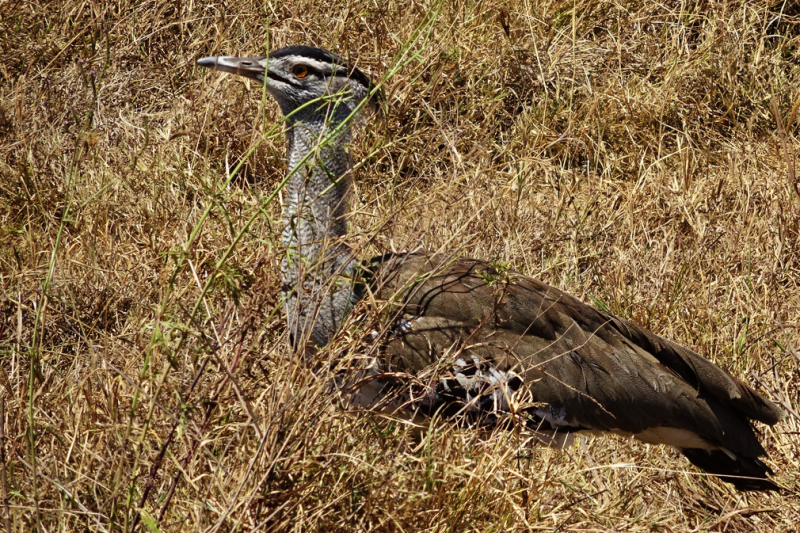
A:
[299,71]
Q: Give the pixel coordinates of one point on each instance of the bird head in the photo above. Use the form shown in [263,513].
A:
[296,76]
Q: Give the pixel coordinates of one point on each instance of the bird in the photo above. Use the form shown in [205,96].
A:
[473,340]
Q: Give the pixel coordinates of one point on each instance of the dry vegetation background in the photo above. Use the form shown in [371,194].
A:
[638,154]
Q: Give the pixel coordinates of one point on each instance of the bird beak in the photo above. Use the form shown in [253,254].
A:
[249,67]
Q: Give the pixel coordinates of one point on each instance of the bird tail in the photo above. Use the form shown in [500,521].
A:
[744,473]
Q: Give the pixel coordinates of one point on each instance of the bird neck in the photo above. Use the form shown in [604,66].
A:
[317,271]
[317,189]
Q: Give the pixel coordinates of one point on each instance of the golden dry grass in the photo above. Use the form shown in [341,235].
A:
[627,152]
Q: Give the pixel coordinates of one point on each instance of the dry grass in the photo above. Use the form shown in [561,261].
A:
[627,152]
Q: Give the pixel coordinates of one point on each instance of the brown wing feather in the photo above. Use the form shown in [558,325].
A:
[586,369]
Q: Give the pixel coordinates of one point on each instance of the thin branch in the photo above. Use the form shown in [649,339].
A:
[6,518]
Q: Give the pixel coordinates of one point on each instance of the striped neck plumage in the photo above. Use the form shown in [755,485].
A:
[318,268]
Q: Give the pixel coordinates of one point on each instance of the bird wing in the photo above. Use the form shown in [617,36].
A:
[479,339]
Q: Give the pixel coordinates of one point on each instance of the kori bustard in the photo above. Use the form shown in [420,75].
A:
[475,340]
